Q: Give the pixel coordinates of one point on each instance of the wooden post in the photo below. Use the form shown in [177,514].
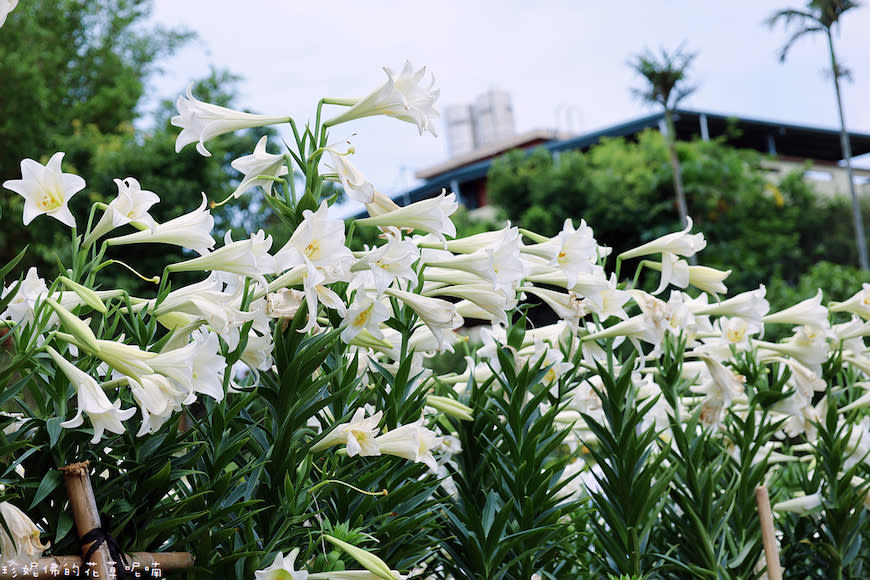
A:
[768,534]
[86,514]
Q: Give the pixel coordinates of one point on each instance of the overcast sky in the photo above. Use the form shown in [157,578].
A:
[549,55]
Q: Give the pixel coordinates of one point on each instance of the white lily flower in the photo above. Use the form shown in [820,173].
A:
[808,345]
[429,215]
[403,97]
[365,314]
[809,312]
[380,204]
[801,505]
[413,442]
[674,271]
[158,398]
[284,303]
[355,184]
[282,568]
[131,205]
[439,315]
[573,251]
[191,230]
[25,534]
[21,309]
[567,305]
[249,258]
[494,303]
[46,190]
[800,416]
[103,414]
[198,364]
[709,280]
[358,435]
[6,6]
[680,243]
[127,359]
[259,169]
[393,261]
[201,121]
[858,304]
[319,240]
[750,306]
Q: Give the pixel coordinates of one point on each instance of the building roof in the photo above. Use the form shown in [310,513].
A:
[781,139]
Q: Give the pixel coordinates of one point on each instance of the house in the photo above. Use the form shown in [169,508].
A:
[790,146]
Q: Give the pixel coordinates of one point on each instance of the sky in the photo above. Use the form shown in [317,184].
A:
[565,63]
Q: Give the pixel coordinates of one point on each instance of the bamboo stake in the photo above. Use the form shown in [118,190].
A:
[768,534]
[86,514]
[145,562]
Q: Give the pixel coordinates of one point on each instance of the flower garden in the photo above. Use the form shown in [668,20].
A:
[281,417]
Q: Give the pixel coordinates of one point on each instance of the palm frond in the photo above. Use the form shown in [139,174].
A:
[783,53]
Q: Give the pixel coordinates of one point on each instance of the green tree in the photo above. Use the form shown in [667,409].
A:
[759,230]
[71,69]
[823,16]
[666,86]
[81,70]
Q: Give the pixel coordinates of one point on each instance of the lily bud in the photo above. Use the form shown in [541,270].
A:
[77,327]
[368,560]
[450,407]
[89,297]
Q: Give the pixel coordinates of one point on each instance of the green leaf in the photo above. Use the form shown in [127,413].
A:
[53,427]
[50,481]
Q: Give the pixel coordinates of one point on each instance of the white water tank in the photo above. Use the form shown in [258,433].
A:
[493,117]
[460,129]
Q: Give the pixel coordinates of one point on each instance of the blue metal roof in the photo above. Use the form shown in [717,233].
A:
[765,136]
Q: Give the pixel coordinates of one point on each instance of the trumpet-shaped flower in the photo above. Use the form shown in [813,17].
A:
[709,280]
[429,215]
[25,535]
[365,314]
[259,169]
[801,505]
[393,261]
[282,568]
[198,364]
[158,397]
[201,121]
[358,435]
[483,296]
[413,442]
[403,97]
[858,304]
[21,308]
[355,184]
[439,315]
[191,230]
[249,258]
[567,305]
[104,415]
[681,243]
[810,312]
[674,271]
[319,240]
[573,251]
[751,306]
[6,6]
[46,190]
[131,205]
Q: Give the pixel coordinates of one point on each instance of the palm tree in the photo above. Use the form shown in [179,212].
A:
[666,86]
[823,16]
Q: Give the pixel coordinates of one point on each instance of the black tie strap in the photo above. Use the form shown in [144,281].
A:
[99,536]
